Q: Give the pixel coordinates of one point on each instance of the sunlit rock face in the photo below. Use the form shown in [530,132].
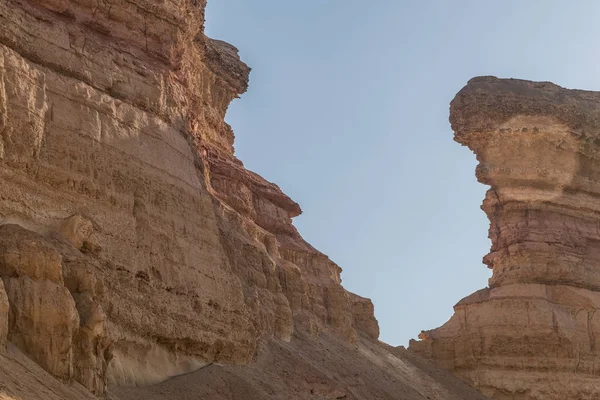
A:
[131,234]
[532,333]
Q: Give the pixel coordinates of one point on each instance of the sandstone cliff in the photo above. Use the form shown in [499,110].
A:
[532,334]
[134,245]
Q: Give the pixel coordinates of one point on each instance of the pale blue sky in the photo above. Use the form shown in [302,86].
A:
[348,113]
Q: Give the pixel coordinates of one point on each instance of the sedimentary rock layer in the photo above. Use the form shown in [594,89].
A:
[532,334]
[135,245]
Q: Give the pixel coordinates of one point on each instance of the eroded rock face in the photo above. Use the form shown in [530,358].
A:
[52,308]
[152,249]
[363,316]
[42,322]
[42,314]
[532,333]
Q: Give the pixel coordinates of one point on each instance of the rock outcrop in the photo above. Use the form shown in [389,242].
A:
[134,245]
[532,334]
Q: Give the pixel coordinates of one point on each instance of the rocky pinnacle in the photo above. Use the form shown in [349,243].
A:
[532,333]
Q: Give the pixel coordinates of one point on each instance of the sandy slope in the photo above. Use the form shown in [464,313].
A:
[302,369]
[313,369]
[22,379]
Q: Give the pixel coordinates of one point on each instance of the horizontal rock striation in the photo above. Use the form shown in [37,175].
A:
[134,245]
[533,333]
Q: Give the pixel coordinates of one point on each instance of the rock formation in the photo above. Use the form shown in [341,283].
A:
[532,334]
[134,245]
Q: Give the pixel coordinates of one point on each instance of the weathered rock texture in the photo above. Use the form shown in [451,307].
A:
[533,333]
[134,245]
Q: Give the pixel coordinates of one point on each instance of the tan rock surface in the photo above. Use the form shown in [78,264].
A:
[532,333]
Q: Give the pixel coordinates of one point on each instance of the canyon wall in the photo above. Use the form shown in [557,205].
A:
[134,245]
[533,333]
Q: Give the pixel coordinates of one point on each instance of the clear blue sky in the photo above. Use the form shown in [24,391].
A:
[348,113]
